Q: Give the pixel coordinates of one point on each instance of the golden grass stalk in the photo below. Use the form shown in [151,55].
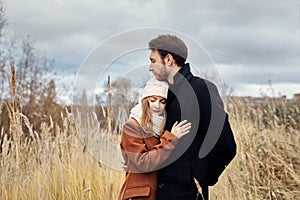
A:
[51,163]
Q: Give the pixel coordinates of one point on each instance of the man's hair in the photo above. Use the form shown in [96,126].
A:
[170,44]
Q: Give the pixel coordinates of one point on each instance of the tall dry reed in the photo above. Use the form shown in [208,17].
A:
[55,164]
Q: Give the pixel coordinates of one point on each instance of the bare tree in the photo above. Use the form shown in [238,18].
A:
[2,25]
[34,76]
[2,19]
[33,70]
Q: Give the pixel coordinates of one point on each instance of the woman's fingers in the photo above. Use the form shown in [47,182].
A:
[185,125]
[182,122]
[175,124]
[182,128]
[186,129]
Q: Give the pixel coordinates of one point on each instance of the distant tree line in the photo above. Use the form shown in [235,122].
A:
[266,112]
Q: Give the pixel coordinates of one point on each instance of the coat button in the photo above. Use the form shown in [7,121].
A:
[161,185]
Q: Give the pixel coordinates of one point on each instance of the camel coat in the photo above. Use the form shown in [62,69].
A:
[143,153]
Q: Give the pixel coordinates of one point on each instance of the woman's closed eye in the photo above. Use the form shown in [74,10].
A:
[152,99]
[157,98]
[163,101]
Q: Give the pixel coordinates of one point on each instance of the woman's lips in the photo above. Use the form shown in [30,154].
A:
[156,111]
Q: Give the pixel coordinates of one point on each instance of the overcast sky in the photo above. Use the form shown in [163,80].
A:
[250,42]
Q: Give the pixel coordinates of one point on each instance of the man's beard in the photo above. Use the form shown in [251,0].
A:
[162,76]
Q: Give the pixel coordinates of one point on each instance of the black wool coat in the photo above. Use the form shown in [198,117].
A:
[210,146]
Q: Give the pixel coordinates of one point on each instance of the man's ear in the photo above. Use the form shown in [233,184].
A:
[169,60]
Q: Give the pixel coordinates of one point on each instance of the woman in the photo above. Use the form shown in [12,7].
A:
[145,144]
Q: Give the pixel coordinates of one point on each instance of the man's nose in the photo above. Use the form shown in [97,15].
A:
[150,68]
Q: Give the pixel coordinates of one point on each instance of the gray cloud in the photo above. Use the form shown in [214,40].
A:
[255,40]
[243,32]
[248,74]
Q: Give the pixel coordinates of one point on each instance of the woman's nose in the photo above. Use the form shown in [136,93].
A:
[157,104]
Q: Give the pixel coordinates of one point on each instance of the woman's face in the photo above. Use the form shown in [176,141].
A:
[157,105]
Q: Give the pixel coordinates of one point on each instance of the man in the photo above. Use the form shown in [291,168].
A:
[198,101]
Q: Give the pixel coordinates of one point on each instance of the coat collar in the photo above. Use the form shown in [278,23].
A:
[184,72]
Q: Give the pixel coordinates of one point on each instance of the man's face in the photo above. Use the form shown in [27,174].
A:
[157,66]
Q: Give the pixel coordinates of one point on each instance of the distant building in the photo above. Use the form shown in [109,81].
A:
[296,97]
[254,101]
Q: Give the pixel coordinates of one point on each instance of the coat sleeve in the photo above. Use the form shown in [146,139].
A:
[217,140]
[140,158]
[225,148]
[222,153]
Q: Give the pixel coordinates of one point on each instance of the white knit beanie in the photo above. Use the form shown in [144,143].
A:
[155,88]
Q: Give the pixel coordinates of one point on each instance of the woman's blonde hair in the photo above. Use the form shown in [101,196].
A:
[146,121]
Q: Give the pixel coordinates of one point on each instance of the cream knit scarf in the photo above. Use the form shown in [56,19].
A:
[157,120]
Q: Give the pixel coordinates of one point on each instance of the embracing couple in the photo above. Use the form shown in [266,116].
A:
[178,114]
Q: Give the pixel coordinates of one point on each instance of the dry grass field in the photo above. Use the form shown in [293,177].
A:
[55,164]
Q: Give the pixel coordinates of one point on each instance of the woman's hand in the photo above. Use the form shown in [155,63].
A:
[181,128]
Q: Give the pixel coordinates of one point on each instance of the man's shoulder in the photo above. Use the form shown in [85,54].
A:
[201,80]
[203,87]
[199,83]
